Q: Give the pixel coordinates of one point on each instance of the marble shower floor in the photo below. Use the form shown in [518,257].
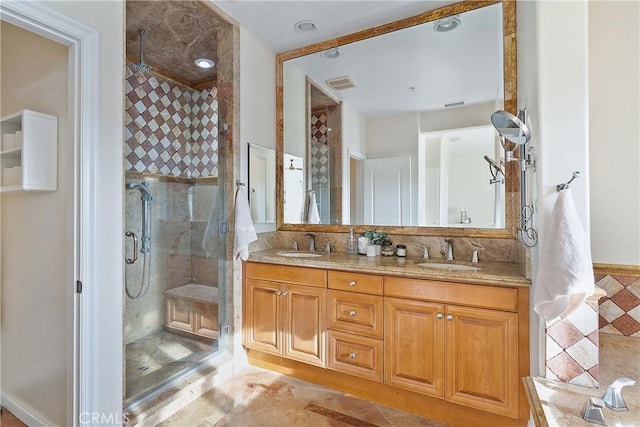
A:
[256,397]
[155,360]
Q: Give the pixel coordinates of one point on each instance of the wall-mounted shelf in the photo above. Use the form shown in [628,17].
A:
[29,152]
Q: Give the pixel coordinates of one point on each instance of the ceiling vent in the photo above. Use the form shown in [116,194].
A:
[341,83]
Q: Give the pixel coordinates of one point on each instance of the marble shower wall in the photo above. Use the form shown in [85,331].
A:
[181,252]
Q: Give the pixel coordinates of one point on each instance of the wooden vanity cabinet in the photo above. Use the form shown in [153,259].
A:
[464,354]
[355,322]
[448,351]
[285,311]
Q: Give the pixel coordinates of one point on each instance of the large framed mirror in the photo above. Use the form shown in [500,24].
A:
[391,127]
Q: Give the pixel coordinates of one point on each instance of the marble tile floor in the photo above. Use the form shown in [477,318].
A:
[156,360]
[256,397]
[7,419]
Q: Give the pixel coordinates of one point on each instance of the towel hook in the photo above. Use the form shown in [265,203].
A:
[574,175]
[240,184]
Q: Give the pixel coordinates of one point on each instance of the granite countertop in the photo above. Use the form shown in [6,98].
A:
[490,273]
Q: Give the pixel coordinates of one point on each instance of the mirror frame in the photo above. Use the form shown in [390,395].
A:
[512,172]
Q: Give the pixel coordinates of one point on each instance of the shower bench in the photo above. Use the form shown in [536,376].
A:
[192,309]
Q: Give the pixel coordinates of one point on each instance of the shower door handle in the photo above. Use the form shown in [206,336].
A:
[135,247]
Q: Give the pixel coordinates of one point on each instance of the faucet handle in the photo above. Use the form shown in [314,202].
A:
[613,396]
[474,257]
[425,251]
[327,247]
[592,411]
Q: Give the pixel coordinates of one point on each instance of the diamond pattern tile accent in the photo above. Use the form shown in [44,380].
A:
[176,122]
[620,309]
[572,346]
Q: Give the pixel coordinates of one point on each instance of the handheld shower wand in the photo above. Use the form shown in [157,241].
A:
[146,198]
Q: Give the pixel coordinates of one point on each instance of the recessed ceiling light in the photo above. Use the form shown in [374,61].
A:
[305,26]
[204,63]
[332,53]
[447,24]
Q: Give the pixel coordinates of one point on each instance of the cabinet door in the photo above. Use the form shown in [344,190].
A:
[482,359]
[414,345]
[305,323]
[263,324]
[206,320]
[178,314]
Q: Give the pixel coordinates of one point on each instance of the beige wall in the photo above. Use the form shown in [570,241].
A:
[614,104]
[37,238]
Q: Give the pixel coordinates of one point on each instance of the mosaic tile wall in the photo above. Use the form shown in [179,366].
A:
[572,352]
[620,309]
[170,129]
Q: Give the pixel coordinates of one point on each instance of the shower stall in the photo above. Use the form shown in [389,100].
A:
[175,204]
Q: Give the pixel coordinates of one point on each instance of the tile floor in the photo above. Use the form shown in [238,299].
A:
[257,397]
[157,359]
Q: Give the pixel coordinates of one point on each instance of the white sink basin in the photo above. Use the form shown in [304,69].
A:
[450,267]
[299,254]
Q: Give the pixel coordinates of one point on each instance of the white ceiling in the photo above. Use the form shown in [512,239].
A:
[273,21]
[462,65]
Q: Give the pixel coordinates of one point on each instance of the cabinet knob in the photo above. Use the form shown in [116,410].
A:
[449,316]
[439,316]
[278,292]
[285,292]
[352,283]
[352,313]
[352,355]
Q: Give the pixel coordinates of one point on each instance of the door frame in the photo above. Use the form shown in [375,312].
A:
[84,53]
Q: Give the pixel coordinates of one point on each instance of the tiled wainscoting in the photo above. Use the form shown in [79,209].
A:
[572,344]
[620,309]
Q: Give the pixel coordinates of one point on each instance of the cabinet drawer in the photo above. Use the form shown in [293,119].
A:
[286,273]
[357,313]
[356,355]
[457,293]
[355,282]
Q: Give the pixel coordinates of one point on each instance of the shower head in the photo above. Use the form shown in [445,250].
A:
[141,66]
[143,187]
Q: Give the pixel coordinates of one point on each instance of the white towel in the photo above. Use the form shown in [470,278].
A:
[565,274]
[313,216]
[245,232]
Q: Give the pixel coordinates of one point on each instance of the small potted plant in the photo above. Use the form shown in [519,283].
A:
[376,238]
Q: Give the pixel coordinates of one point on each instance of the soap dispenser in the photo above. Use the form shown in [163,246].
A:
[352,243]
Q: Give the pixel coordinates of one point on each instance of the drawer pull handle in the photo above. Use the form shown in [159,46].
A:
[352,283]
[352,313]
[278,292]
[285,292]
[449,317]
[439,316]
[352,355]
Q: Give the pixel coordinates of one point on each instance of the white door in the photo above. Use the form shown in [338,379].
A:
[387,191]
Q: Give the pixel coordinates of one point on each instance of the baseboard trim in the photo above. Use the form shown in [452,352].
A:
[23,411]
[616,269]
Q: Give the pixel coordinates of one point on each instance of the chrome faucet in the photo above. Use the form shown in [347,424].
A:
[449,243]
[312,242]
[327,247]
[425,251]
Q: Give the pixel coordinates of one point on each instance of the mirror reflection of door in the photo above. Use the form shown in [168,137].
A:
[387,191]
[262,175]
